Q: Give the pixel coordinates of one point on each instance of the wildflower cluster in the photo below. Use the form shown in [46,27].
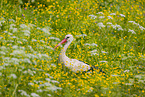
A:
[107,34]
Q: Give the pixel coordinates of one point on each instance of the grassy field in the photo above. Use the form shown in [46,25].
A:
[109,34]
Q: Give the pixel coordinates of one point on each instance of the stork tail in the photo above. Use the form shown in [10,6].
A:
[93,69]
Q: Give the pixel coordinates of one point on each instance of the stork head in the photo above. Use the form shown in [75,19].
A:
[68,38]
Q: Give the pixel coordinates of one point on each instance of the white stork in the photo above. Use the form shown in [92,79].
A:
[72,64]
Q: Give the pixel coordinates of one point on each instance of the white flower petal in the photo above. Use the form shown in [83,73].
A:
[55,38]
[122,15]
[13,76]
[34,95]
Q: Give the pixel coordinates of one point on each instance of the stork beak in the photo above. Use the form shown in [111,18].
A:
[63,41]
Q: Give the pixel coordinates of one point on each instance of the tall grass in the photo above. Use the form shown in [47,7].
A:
[108,34]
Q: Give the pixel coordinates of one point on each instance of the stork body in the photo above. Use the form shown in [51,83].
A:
[72,64]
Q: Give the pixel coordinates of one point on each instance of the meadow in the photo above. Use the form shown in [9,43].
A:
[109,34]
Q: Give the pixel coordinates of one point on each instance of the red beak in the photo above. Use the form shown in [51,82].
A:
[63,41]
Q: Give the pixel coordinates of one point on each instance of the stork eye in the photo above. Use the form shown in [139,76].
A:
[67,37]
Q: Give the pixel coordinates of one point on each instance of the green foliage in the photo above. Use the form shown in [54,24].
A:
[107,33]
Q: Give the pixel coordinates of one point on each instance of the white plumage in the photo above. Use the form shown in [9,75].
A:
[73,64]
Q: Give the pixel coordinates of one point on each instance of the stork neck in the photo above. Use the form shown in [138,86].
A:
[65,48]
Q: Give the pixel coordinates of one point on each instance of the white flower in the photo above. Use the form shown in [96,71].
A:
[5,31]
[101,17]
[31,25]
[31,84]
[54,81]
[15,60]
[13,76]
[27,60]
[26,34]
[139,76]
[25,72]
[100,13]
[3,53]
[23,93]
[6,58]
[82,35]
[26,31]
[39,90]
[122,15]
[30,48]
[132,31]
[1,68]
[120,29]
[0,74]
[42,41]
[30,72]
[103,61]
[14,37]
[34,95]
[45,84]
[53,88]
[109,23]
[5,64]
[112,13]
[46,30]
[91,89]
[2,19]
[48,94]
[128,84]
[49,47]
[126,71]
[23,26]
[17,52]
[33,40]
[38,28]
[132,22]
[48,75]
[12,26]
[14,29]
[93,51]
[109,17]
[48,79]
[31,56]
[15,47]
[93,44]
[92,16]
[10,33]
[101,25]
[24,40]
[141,27]
[115,75]
[43,56]
[12,20]
[117,26]
[23,48]
[104,52]
[55,38]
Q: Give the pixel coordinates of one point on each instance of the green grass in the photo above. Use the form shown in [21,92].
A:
[30,31]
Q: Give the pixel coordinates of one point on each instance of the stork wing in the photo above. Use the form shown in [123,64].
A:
[76,65]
